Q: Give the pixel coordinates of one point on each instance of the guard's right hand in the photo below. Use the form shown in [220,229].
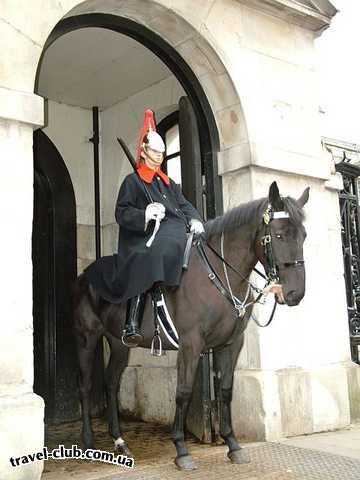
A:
[154,211]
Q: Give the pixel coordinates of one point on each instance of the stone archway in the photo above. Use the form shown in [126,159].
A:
[193,62]
[178,36]
[178,40]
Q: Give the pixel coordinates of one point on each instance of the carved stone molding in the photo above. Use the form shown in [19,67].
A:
[314,15]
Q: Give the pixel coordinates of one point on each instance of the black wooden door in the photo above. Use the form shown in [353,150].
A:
[43,293]
[54,272]
[192,175]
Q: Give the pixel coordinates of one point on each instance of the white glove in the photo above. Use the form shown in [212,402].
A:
[196,226]
[154,211]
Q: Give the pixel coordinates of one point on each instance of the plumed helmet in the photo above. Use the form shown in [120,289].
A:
[154,140]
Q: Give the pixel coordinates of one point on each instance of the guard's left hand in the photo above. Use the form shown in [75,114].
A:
[196,227]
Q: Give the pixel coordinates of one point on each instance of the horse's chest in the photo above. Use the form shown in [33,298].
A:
[220,329]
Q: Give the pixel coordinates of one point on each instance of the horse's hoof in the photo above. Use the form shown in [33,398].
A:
[185,463]
[239,456]
[122,448]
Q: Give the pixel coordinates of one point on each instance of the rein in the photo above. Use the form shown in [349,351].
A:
[240,306]
[271,277]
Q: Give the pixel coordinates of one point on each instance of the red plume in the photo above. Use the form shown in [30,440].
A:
[149,124]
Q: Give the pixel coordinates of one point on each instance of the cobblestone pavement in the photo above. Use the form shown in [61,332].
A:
[154,454]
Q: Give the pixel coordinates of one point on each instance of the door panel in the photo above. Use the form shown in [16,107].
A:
[54,272]
[199,416]
[190,154]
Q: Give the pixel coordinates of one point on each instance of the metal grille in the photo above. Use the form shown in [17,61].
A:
[350,231]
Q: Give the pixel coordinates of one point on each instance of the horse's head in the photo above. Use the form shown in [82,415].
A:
[279,245]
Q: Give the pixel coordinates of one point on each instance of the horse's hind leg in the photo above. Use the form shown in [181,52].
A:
[187,362]
[116,366]
[86,346]
[225,362]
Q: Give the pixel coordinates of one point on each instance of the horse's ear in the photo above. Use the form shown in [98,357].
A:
[304,197]
[274,196]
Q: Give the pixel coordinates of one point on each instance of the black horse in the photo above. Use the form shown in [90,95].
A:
[204,318]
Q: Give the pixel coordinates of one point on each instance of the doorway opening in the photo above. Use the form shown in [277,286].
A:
[121,68]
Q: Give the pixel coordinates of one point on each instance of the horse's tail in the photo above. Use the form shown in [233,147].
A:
[83,296]
[82,287]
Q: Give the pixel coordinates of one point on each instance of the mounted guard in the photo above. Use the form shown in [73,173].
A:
[269,230]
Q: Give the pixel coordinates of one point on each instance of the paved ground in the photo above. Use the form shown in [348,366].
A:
[327,456]
[342,442]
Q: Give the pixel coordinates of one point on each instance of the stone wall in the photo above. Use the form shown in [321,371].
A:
[70,128]
[21,411]
[255,62]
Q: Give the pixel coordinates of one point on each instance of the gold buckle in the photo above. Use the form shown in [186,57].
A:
[265,239]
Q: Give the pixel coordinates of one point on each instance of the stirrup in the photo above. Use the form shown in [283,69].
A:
[126,337]
[157,351]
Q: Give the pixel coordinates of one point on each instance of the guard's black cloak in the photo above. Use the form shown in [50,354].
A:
[136,268]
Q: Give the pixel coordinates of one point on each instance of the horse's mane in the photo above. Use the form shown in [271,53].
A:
[249,212]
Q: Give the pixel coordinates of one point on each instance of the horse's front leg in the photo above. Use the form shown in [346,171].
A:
[116,366]
[187,362]
[225,362]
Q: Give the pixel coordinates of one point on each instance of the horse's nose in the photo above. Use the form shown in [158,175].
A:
[292,298]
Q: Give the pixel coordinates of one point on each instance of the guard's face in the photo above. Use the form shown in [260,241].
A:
[153,158]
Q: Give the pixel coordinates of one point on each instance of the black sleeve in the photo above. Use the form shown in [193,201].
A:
[128,215]
[185,206]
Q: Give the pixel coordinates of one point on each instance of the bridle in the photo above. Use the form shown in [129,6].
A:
[271,268]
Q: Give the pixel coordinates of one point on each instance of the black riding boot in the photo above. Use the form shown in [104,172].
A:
[134,313]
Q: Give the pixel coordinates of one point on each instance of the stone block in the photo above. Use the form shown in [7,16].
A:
[248,414]
[22,107]
[277,38]
[280,160]
[150,393]
[250,355]
[86,241]
[330,398]
[141,11]
[224,26]
[201,57]
[109,238]
[353,374]
[237,188]
[138,10]
[295,402]
[232,126]
[31,25]
[21,433]
[20,55]
[234,158]
[172,27]
[195,16]
[219,90]
[16,366]
[128,401]
[141,357]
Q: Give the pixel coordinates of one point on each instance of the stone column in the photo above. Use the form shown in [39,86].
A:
[294,377]
[21,411]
